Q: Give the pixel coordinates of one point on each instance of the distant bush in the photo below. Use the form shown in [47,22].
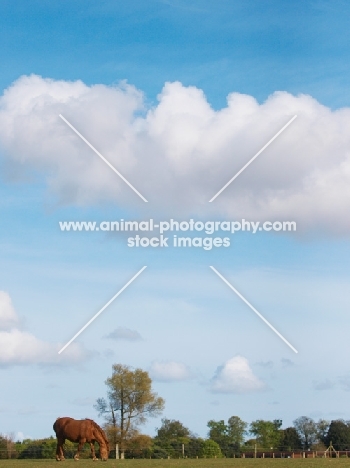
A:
[211,449]
[46,449]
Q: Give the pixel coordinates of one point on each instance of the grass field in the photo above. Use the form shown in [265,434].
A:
[187,463]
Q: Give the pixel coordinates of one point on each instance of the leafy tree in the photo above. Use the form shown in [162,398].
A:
[229,436]
[130,400]
[290,439]
[236,431]
[219,433]
[307,430]
[211,449]
[322,427]
[172,429]
[267,433]
[3,447]
[195,447]
[139,446]
[170,437]
[339,434]
[7,446]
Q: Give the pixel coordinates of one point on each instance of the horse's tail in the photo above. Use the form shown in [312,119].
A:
[55,425]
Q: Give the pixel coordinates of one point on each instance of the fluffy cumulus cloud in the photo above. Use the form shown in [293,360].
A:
[18,347]
[180,152]
[125,334]
[169,371]
[235,376]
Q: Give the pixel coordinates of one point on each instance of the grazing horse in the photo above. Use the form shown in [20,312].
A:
[84,430]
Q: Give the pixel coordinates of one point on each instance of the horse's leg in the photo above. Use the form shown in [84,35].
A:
[59,449]
[92,446]
[80,446]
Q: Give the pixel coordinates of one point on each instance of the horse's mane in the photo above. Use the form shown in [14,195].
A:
[100,430]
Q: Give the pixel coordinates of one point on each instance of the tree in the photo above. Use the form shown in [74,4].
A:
[229,436]
[267,433]
[339,434]
[211,449]
[172,430]
[7,446]
[3,446]
[195,447]
[170,437]
[322,427]
[130,400]
[307,430]
[290,439]
[139,446]
[218,432]
[236,431]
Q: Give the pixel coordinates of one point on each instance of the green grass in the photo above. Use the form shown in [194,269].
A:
[187,463]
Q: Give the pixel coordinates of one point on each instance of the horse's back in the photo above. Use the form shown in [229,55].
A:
[60,424]
[73,429]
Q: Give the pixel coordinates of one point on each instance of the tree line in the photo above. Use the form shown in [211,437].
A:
[130,400]
[224,439]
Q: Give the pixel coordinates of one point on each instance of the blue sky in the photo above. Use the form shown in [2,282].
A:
[254,48]
[192,327]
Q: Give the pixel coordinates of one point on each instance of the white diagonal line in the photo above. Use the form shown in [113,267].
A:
[253,158]
[101,310]
[254,310]
[103,158]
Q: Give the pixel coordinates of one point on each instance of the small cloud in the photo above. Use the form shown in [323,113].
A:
[265,364]
[126,334]
[325,384]
[287,363]
[23,348]
[235,376]
[169,371]
[274,403]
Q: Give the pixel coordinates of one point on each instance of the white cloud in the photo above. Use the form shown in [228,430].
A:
[123,333]
[169,371]
[235,376]
[8,316]
[192,150]
[19,347]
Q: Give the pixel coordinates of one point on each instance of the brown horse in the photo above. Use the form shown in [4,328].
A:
[84,430]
